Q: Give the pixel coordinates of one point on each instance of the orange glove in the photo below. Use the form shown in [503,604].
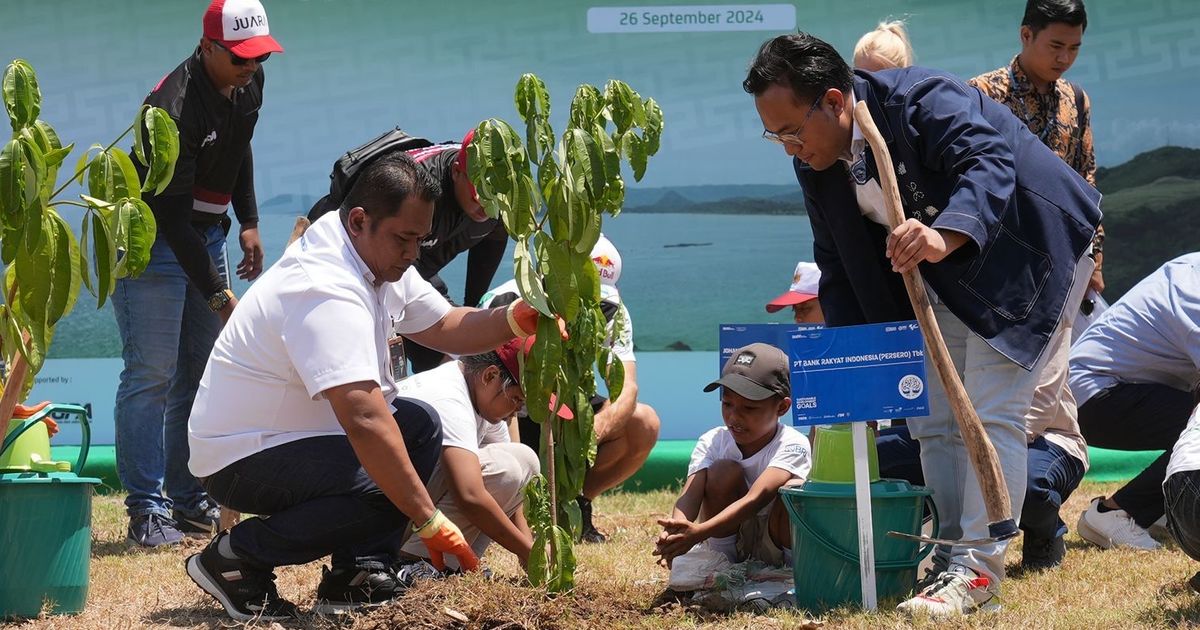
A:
[523,319]
[441,536]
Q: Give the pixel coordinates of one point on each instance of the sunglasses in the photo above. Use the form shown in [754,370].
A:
[241,61]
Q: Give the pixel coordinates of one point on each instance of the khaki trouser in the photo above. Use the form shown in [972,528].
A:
[506,468]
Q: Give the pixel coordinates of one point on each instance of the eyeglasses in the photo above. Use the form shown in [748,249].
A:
[793,137]
[241,61]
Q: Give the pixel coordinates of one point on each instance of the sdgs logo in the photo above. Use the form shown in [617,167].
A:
[911,386]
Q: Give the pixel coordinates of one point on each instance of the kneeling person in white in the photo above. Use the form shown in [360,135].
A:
[731,496]
[480,479]
[295,418]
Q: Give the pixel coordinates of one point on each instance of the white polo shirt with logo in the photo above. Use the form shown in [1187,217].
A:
[313,321]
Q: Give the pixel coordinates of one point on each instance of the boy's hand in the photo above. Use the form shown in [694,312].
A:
[677,538]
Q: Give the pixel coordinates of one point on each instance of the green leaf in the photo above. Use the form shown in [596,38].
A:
[111,176]
[65,289]
[163,136]
[81,164]
[140,230]
[35,173]
[563,577]
[528,282]
[34,277]
[13,180]
[586,107]
[50,135]
[561,285]
[619,97]
[139,135]
[84,266]
[10,244]
[638,157]
[654,126]
[104,254]
[614,378]
[22,98]
[126,172]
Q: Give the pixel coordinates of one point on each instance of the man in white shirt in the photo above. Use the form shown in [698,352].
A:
[295,419]
[1133,372]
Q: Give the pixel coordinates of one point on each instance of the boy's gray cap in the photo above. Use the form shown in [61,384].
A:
[757,371]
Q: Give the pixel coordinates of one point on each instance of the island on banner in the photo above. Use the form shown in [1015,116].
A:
[857,373]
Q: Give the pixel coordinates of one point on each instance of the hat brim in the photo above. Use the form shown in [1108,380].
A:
[253,47]
[788,298]
[742,386]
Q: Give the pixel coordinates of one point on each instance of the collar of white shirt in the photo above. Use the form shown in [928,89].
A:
[858,142]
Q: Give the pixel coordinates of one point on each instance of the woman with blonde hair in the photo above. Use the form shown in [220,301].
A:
[884,48]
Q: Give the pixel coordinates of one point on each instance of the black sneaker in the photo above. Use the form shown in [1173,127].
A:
[152,530]
[345,589]
[589,533]
[1040,554]
[205,522]
[408,573]
[247,593]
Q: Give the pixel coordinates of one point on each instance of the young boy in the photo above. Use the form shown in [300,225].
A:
[730,497]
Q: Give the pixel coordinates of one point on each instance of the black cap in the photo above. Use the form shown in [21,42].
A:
[757,371]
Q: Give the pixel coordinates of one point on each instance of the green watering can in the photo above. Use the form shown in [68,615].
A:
[45,519]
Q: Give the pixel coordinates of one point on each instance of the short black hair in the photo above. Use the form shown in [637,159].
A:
[474,364]
[386,183]
[806,64]
[1042,13]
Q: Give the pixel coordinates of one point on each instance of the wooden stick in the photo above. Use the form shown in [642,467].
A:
[979,447]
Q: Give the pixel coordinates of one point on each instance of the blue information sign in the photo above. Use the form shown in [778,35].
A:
[857,373]
[734,336]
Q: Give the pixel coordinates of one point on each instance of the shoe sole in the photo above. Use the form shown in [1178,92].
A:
[136,544]
[208,585]
[1090,534]
[336,608]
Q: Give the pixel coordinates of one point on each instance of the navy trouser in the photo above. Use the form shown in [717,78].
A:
[1053,475]
[1181,496]
[1138,417]
[319,498]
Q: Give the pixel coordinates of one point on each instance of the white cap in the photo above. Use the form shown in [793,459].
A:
[805,281]
[607,260]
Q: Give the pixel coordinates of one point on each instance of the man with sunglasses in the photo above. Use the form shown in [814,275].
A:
[1000,227]
[170,316]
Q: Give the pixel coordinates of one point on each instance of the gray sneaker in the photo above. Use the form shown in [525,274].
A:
[204,522]
[153,530]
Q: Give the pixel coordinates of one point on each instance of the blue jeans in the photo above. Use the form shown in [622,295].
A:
[319,498]
[1181,494]
[167,333]
[1052,475]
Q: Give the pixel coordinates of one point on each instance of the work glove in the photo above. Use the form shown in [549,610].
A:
[523,320]
[441,536]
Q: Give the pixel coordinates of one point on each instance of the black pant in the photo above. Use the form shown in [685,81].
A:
[1181,493]
[1138,417]
[319,498]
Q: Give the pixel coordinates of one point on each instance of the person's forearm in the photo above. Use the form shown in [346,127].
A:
[737,512]
[485,513]
[467,331]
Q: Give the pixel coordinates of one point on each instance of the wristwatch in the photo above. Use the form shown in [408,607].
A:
[217,301]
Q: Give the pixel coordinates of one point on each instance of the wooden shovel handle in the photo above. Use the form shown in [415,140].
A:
[979,447]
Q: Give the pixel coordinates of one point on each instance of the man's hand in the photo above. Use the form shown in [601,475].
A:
[441,536]
[252,253]
[677,538]
[913,242]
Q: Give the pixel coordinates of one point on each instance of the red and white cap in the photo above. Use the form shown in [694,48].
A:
[804,287]
[607,260]
[241,27]
[508,356]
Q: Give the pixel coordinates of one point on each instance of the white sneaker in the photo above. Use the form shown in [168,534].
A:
[956,592]
[1114,528]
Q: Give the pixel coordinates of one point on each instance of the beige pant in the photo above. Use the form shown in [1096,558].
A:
[506,468]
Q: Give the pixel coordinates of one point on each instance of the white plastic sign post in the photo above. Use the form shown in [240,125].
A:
[866,529]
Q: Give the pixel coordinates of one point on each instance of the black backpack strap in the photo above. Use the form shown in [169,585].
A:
[1078,110]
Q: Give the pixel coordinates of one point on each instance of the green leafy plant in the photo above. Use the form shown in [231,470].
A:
[551,195]
[44,263]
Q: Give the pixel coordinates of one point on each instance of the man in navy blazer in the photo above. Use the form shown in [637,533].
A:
[999,226]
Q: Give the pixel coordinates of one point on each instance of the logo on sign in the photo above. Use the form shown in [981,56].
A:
[911,386]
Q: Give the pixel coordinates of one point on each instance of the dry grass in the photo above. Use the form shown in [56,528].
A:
[621,587]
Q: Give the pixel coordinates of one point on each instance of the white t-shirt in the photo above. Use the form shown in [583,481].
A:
[622,343]
[444,388]
[1186,456]
[313,321]
[788,451]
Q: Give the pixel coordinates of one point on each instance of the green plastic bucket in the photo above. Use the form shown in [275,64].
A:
[825,562]
[833,454]
[46,534]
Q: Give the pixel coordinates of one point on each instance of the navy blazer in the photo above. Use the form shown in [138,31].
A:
[964,163]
